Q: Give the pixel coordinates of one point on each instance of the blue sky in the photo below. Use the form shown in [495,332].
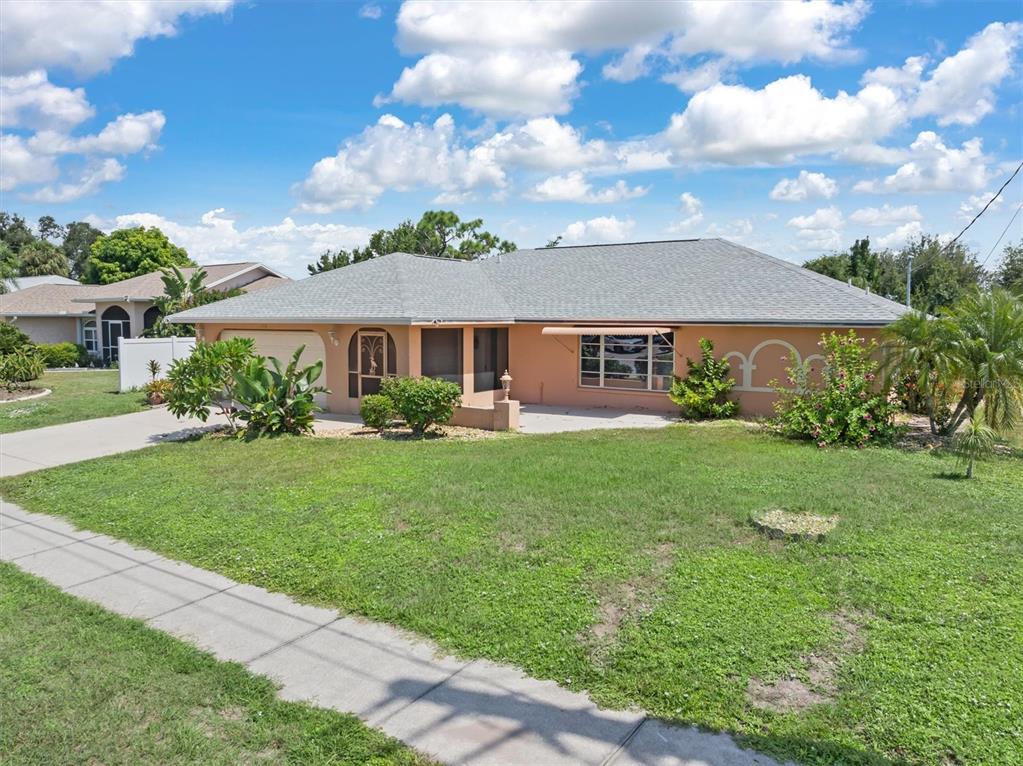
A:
[275,130]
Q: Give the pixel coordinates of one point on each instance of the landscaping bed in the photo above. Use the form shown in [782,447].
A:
[82,685]
[624,563]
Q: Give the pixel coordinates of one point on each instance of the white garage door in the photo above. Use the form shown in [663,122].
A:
[282,344]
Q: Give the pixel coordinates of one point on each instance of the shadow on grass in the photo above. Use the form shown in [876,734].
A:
[950,475]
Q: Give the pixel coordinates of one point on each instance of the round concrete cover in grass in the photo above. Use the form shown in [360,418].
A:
[779,523]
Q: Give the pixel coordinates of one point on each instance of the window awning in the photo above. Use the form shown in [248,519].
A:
[617,330]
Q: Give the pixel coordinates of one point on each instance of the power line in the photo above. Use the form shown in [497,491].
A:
[995,246]
[975,218]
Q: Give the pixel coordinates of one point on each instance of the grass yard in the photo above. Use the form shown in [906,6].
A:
[623,563]
[79,395]
[82,685]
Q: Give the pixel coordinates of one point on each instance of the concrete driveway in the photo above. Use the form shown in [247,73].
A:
[25,451]
[542,419]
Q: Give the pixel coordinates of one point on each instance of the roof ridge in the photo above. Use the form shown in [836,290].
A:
[611,244]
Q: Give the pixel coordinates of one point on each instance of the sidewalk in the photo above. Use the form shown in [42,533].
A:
[460,712]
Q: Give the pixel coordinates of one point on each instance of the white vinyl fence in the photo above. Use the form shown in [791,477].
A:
[133,355]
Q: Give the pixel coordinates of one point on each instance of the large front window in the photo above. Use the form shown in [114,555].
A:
[632,362]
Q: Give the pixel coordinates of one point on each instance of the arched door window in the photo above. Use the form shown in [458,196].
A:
[150,317]
[115,324]
[371,357]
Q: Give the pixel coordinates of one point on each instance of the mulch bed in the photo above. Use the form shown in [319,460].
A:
[779,523]
[24,393]
[405,434]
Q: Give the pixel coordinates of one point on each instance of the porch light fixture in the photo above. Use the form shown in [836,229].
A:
[506,381]
[333,337]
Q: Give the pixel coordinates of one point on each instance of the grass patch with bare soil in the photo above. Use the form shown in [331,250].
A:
[623,562]
[75,395]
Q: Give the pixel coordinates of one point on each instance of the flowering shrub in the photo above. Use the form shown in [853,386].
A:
[847,406]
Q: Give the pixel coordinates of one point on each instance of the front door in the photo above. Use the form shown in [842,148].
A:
[113,329]
[372,361]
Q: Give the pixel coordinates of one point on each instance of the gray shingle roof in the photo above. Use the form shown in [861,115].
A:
[682,282]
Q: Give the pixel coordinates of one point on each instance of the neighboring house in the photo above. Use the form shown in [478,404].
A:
[20,283]
[602,325]
[95,316]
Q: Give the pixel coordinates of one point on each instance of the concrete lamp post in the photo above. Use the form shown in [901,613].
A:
[506,381]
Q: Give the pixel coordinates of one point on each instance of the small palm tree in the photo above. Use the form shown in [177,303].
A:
[917,348]
[975,440]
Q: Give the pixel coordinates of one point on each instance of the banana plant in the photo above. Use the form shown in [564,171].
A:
[277,401]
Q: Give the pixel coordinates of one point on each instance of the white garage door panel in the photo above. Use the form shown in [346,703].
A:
[282,344]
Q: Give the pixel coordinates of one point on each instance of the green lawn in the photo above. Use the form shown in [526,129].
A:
[76,396]
[623,563]
[81,685]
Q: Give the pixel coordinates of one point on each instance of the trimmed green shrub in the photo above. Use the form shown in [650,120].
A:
[847,407]
[703,393]
[206,378]
[422,402]
[377,411]
[12,338]
[63,354]
[277,401]
[20,367]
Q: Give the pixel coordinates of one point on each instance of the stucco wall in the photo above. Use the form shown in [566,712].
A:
[49,329]
[545,369]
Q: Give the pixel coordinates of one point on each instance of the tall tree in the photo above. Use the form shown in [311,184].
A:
[126,253]
[10,269]
[49,229]
[77,246]
[439,233]
[40,258]
[14,231]
[330,261]
[1010,273]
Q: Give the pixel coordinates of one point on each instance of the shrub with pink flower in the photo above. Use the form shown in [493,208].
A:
[847,406]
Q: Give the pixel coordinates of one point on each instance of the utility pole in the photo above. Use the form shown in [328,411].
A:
[909,282]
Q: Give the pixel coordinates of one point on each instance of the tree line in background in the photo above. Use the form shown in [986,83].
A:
[81,251]
[942,274]
[439,233]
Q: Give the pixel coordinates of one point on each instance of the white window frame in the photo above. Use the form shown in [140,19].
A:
[650,345]
[90,336]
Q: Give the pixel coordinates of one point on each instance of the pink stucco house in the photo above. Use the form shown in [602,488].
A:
[602,325]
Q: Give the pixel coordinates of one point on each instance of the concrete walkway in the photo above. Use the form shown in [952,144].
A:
[459,712]
[24,451]
[543,419]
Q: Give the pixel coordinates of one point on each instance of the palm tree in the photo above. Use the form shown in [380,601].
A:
[974,440]
[986,355]
[916,349]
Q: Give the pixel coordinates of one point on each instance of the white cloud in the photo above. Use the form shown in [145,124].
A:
[595,230]
[631,65]
[976,202]
[89,182]
[573,187]
[901,235]
[546,144]
[822,229]
[961,88]
[21,166]
[502,83]
[88,37]
[128,134]
[934,167]
[505,58]
[397,156]
[692,209]
[286,246]
[737,230]
[32,101]
[886,215]
[806,186]
[736,124]
[699,78]
[371,11]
